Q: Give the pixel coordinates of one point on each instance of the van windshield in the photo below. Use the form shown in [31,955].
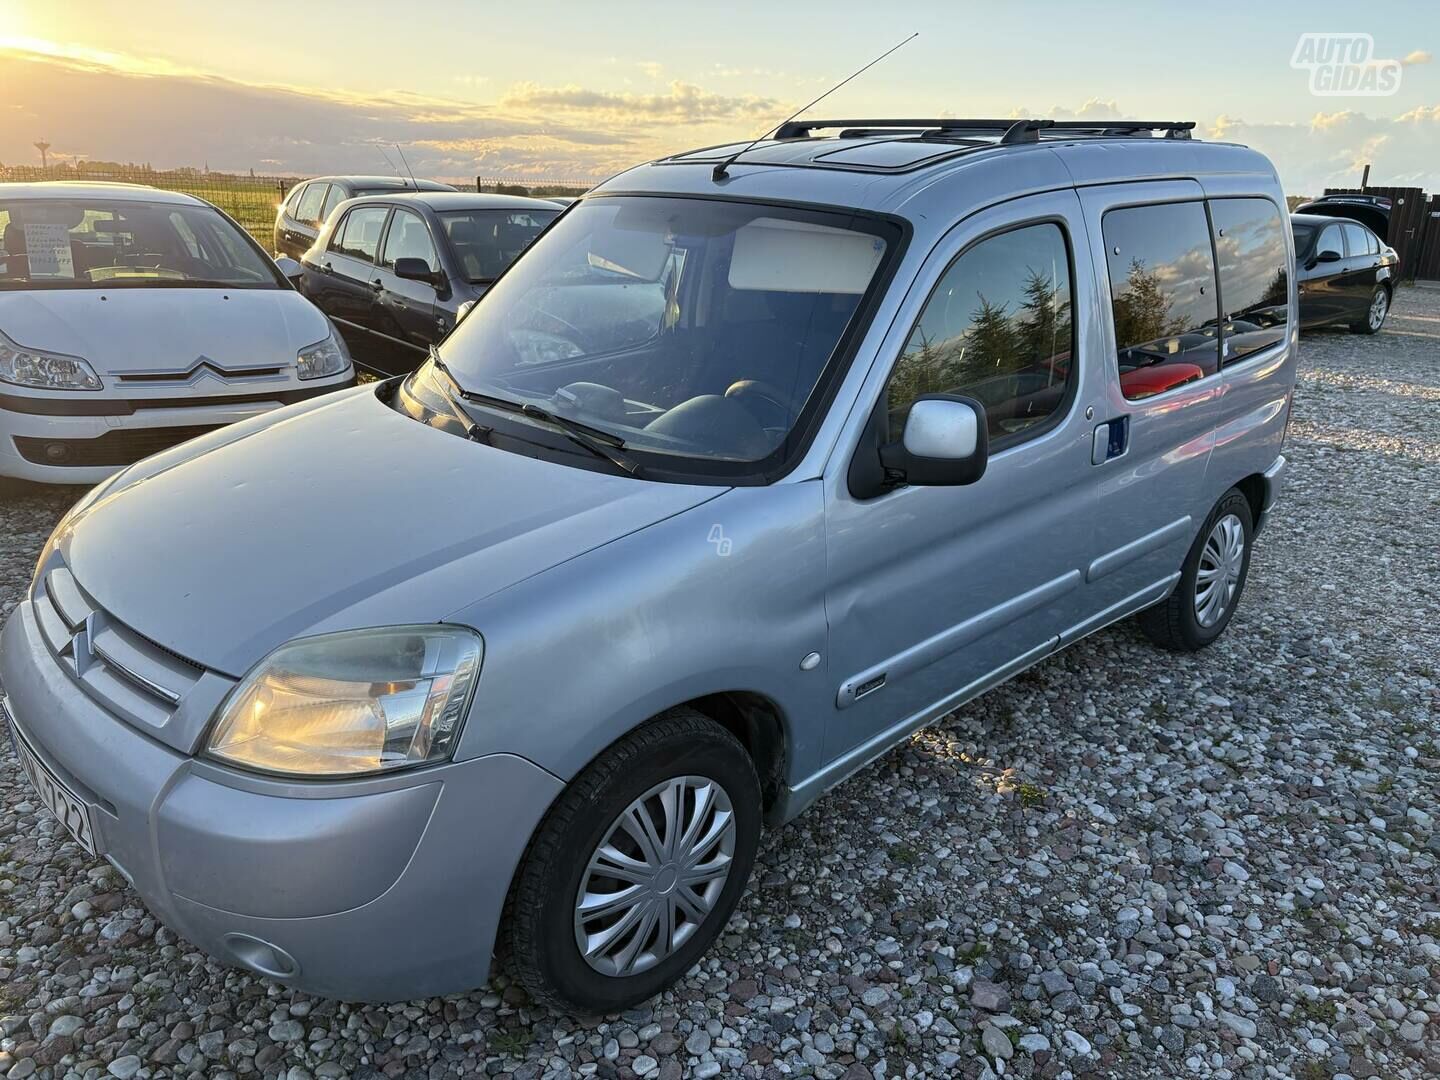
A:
[694,328]
[114,244]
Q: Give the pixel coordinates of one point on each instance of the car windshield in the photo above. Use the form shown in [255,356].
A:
[1303,235]
[487,241]
[688,327]
[111,244]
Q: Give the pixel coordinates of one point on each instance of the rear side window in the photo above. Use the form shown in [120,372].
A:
[333,199]
[1162,295]
[308,208]
[998,328]
[1355,242]
[1254,278]
[359,234]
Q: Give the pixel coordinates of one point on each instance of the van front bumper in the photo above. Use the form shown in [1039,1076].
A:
[381,889]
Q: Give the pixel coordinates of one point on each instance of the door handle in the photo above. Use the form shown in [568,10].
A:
[1111,440]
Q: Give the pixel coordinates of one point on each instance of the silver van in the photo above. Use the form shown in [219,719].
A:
[758,460]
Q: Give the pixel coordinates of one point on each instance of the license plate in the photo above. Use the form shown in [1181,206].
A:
[58,799]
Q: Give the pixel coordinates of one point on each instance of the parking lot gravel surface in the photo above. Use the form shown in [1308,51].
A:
[1124,863]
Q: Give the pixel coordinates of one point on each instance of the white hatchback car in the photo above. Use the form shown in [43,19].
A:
[132,319]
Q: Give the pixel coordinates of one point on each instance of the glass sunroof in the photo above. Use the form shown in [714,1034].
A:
[889,154]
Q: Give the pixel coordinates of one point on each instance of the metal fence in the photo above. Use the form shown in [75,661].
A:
[251,198]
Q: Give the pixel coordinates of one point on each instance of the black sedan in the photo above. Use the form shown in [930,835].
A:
[1346,273]
[395,272]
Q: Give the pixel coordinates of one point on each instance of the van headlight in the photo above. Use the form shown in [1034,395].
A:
[360,701]
[24,366]
[328,357]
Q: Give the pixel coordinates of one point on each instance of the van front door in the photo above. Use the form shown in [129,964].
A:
[935,593]
[1152,253]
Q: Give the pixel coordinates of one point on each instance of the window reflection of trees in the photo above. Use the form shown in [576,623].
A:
[1014,361]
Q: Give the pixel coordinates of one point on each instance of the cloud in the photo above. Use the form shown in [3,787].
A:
[1093,109]
[104,106]
[683,102]
[1419,56]
[1330,149]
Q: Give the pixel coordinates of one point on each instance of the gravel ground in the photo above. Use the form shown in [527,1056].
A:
[1121,864]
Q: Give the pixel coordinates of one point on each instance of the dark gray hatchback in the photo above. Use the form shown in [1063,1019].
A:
[308,206]
[395,272]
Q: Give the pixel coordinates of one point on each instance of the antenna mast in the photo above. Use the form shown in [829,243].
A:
[720,169]
[406,163]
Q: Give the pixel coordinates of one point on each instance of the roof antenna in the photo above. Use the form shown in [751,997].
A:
[409,170]
[388,163]
[720,169]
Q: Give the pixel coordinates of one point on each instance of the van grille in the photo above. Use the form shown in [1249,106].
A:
[124,671]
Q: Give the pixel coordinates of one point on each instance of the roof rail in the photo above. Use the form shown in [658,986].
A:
[1012,130]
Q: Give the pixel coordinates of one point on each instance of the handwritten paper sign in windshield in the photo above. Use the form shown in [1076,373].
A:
[48,248]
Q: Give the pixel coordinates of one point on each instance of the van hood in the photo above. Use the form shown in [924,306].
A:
[128,330]
[335,515]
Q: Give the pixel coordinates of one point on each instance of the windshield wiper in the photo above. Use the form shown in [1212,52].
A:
[598,441]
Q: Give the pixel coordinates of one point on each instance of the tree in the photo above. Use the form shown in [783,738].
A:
[1142,310]
[1044,318]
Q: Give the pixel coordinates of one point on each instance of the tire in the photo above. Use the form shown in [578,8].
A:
[1375,315]
[541,938]
[1182,622]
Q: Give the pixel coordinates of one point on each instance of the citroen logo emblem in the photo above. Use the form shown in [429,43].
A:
[79,647]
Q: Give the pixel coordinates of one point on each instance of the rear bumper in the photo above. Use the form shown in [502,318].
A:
[1274,481]
[377,890]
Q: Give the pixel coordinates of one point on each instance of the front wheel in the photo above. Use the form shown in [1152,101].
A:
[1374,315]
[636,868]
[1211,580]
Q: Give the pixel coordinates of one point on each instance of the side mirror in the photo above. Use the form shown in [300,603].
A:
[416,270]
[1329,256]
[292,270]
[945,443]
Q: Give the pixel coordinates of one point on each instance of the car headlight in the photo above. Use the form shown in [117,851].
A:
[360,701]
[327,357]
[24,366]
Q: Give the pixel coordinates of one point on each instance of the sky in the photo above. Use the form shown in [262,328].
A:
[582,90]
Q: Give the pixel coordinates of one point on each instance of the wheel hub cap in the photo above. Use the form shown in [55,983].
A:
[656,875]
[1219,575]
[1377,310]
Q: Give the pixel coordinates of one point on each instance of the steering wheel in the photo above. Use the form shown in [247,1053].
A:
[748,390]
[576,337]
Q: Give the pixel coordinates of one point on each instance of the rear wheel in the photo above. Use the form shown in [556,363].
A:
[636,868]
[1211,580]
[1376,314]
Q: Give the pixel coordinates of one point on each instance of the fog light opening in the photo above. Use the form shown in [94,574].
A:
[262,957]
[57,453]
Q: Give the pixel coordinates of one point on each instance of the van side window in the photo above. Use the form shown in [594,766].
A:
[1254,280]
[1162,295]
[999,327]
